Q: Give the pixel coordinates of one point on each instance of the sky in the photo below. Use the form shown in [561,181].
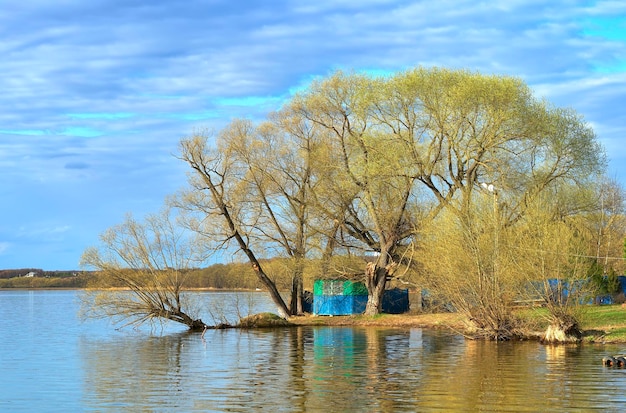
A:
[95,95]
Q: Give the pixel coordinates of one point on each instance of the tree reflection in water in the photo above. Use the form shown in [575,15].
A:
[341,369]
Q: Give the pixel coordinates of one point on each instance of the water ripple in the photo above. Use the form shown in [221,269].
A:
[51,362]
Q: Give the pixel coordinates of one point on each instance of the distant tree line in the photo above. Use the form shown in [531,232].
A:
[36,272]
[47,279]
[19,272]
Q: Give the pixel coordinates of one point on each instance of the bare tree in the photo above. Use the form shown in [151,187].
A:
[265,178]
[278,158]
[607,224]
[214,192]
[551,258]
[149,260]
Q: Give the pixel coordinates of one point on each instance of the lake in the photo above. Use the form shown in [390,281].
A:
[50,361]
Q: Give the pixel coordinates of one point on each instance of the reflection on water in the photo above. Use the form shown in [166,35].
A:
[345,369]
[52,363]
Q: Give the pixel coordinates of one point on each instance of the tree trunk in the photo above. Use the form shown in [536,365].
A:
[283,311]
[296,295]
[180,317]
[197,325]
[376,279]
[297,287]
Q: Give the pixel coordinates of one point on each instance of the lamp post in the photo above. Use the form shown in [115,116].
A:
[492,189]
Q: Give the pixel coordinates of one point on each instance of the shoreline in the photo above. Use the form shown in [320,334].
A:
[608,330]
[454,322]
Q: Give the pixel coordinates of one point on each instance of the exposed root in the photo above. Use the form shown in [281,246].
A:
[565,330]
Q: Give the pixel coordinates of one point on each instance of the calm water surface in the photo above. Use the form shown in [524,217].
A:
[51,362]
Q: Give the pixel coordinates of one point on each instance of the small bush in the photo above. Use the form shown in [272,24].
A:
[263,320]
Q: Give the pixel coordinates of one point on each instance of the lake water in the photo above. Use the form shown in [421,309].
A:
[51,362]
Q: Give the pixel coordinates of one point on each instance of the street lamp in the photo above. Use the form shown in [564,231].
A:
[492,189]
[488,187]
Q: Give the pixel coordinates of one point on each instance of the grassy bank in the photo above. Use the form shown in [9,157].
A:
[605,324]
[600,324]
[443,320]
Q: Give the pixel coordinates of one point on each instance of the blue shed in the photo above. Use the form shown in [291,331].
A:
[396,301]
[339,297]
[342,297]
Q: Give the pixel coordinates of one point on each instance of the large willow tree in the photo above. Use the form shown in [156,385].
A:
[413,144]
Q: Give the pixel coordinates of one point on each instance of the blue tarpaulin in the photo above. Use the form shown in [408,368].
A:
[396,301]
[339,304]
[340,297]
[560,291]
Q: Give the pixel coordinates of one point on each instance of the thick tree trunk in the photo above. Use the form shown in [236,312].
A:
[376,279]
[181,317]
[296,295]
[283,311]
[563,330]
[297,287]
[197,325]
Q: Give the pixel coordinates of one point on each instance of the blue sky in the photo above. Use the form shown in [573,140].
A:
[96,95]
